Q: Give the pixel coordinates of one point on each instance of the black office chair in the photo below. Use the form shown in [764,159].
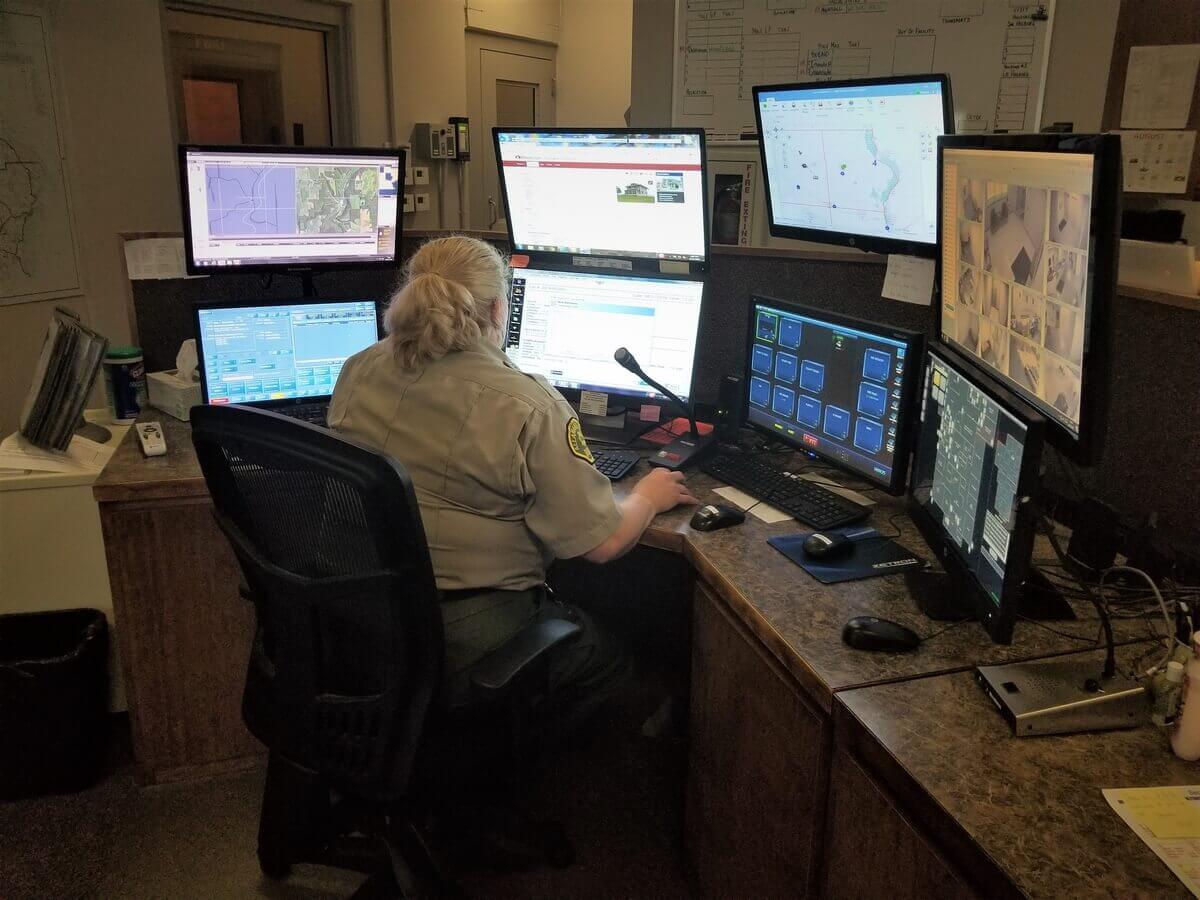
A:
[345,667]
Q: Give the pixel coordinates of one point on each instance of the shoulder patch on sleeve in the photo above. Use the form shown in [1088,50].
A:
[576,442]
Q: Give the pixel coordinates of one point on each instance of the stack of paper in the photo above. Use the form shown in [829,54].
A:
[62,380]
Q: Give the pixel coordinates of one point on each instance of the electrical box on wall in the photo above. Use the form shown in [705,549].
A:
[462,136]
[435,141]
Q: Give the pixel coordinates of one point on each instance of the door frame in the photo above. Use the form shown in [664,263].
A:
[312,15]
[477,41]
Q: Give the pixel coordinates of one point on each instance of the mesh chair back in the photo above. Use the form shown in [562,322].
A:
[348,643]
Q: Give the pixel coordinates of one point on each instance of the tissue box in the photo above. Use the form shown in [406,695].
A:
[174,396]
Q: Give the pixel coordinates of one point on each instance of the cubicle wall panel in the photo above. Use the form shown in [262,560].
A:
[185,637]
[872,851]
[758,763]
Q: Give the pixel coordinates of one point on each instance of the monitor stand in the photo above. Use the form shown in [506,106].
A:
[940,597]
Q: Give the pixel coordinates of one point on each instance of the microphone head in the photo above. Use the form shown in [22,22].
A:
[623,356]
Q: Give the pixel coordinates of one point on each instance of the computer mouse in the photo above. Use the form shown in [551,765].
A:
[870,633]
[822,545]
[714,518]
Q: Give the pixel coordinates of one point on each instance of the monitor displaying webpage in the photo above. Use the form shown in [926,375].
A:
[283,352]
[967,470]
[605,194]
[854,160]
[828,388]
[289,208]
[565,326]
[1015,261]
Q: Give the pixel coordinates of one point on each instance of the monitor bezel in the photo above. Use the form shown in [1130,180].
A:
[846,238]
[997,620]
[1104,241]
[639,265]
[914,342]
[572,395]
[268,302]
[299,152]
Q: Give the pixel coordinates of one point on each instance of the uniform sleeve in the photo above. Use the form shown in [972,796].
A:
[340,401]
[572,508]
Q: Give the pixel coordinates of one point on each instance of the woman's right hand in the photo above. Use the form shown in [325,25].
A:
[664,490]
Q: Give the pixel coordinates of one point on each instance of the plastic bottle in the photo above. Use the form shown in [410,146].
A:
[1166,695]
[1185,739]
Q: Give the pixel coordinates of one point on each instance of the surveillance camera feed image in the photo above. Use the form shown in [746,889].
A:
[1015,279]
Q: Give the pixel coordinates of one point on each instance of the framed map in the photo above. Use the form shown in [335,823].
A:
[38,258]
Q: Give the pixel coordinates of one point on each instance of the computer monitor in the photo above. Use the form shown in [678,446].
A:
[565,326]
[836,387]
[635,193]
[854,162]
[263,208]
[974,471]
[1030,235]
[274,354]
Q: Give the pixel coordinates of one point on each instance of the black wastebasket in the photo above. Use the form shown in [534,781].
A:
[53,701]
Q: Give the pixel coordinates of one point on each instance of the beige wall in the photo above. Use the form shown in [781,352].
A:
[594,59]
[120,166]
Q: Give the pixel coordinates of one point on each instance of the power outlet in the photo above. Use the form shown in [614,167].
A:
[422,202]
[409,205]
[420,175]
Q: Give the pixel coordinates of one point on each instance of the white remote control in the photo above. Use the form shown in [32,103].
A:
[150,436]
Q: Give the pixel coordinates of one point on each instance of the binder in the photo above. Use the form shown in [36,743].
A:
[62,380]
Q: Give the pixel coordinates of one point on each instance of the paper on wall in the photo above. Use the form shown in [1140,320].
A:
[153,258]
[909,279]
[1157,162]
[1158,86]
[1167,819]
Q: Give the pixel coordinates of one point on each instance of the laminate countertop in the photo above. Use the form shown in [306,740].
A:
[798,619]
[1030,808]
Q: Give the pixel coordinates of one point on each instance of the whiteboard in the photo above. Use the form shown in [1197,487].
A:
[993,50]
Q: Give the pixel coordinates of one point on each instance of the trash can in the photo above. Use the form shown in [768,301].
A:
[53,701]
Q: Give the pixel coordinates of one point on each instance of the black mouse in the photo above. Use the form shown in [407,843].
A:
[870,633]
[823,545]
[713,517]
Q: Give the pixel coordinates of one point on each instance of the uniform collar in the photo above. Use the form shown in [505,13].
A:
[487,348]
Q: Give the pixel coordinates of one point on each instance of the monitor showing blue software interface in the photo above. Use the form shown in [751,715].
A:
[565,327]
[292,351]
[854,159]
[831,388]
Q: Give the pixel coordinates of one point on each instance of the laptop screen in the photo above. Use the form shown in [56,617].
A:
[287,351]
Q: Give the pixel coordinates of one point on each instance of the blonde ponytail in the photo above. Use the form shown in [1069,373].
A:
[445,301]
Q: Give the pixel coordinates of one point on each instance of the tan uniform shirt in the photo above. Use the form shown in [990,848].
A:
[503,476]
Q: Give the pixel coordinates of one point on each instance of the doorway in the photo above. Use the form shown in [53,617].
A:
[509,83]
[235,81]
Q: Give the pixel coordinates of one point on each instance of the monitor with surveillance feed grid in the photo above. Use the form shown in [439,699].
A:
[832,386]
[268,208]
[854,162]
[974,471]
[635,194]
[1029,245]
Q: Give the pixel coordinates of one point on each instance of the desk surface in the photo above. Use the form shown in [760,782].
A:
[1032,805]
[796,617]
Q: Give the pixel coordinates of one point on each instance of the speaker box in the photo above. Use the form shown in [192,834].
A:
[731,403]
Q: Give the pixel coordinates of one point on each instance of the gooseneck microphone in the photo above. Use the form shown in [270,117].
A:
[686,448]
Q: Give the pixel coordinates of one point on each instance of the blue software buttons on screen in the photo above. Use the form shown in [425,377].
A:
[783,402]
[785,367]
[837,422]
[812,376]
[760,392]
[760,360]
[809,412]
[877,365]
[789,333]
[868,435]
[872,399]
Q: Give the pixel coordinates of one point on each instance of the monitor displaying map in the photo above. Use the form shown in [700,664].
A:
[290,206]
[854,162]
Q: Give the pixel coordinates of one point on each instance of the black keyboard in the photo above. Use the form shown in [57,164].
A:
[307,412]
[616,464]
[810,503]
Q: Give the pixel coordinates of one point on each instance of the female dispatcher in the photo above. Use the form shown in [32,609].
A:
[502,473]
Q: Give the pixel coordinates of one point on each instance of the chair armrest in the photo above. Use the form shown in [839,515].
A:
[496,672]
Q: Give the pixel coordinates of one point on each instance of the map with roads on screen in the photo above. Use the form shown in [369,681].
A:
[263,200]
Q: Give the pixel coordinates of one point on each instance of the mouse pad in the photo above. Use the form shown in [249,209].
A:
[871,556]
